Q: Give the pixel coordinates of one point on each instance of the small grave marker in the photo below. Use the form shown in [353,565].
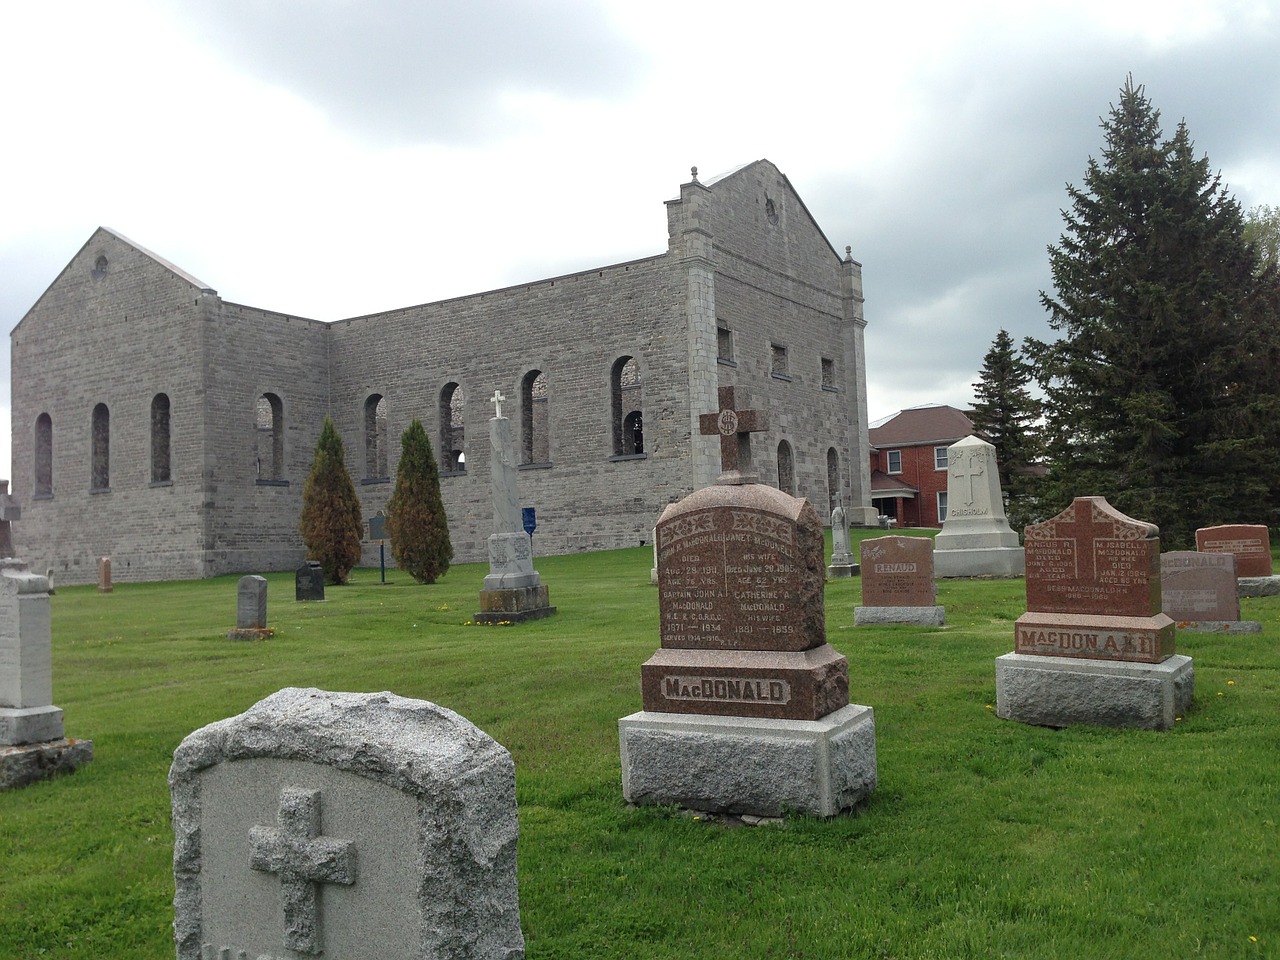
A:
[251,610]
[104,575]
[309,582]
[898,584]
[1199,592]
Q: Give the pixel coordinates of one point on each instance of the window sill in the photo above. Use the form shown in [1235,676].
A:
[726,362]
[453,473]
[830,389]
[619,458]
[373,481]
[96,490]
[544,465]
[781,376]
[42,496]
[161,483]
[271,483]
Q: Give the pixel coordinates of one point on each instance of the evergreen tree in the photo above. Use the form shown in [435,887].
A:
[331,524]
[1006,413]
[416,523]
[1160,393]
[1262,229]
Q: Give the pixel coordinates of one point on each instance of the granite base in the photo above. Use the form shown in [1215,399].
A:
[1061,691]
[1258,586]
[514,605]
[19,725]
[838,571]
[21,765]
[742,765]
[251,633]
[916,616]
[1220,626]
[979,562]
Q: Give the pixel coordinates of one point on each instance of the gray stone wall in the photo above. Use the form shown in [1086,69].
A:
[743,251]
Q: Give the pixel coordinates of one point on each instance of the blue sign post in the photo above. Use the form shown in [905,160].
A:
[530,518]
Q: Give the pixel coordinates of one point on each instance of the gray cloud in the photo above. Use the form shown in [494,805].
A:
[422,72]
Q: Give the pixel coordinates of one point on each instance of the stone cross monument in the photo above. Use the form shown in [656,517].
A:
[842,562]
[976,539]
[513,590]
[745,679]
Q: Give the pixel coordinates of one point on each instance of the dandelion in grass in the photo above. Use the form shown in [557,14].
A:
[1231,683]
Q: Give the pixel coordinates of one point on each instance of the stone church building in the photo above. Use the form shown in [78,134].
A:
[172,430]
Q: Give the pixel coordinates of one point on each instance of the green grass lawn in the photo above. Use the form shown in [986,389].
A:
[986,838]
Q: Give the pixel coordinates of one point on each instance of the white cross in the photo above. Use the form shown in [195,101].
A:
[497,400]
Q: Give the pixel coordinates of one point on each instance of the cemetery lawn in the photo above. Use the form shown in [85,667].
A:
[985,838]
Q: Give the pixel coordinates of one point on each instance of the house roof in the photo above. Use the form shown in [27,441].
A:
[883,485]
[933,423]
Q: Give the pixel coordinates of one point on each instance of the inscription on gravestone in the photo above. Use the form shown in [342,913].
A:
[1199,587]
[1251,544]
[1093,587]
[898,572]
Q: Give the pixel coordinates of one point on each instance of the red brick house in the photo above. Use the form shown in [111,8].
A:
[909,463]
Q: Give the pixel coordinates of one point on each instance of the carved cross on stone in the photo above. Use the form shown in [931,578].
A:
[976,467]
[734,428]
[497,400]
[303,859]
[1086,528]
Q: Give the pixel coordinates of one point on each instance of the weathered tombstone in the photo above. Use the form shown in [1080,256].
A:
[309,582]
[513,590]
[10,510]
[1251,545]
[1094,645]
[976,539]
[842,562]
[32,744]
[1198,591]
[104,575]
[344,825]
[897,583]
[746,705]
[653,574]
[251,610]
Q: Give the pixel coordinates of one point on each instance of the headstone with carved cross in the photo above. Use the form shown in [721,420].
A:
[1094,645]
[745,678]
[322,824]
[976,539]
[513,590]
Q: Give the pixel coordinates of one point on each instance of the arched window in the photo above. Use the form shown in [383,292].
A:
[833,479]
[160,472]
[269,437]
[786,469]
[452,433]
[375,437]
[44,456]
[534,419]
[627,402]
[100,458]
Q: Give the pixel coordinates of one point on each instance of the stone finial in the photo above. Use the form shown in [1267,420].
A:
[693,173]
[497,400]
[848,254]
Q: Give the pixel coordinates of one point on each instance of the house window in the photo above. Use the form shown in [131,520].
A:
[452,432]
[786,469]
[942,506]
[534,419]
[828,373]
[100,460]
[778,360]
[160,438]
[626,419]
[939,458]
[268,437]
[44,456]
[375,437]
[724,343]
[893,461]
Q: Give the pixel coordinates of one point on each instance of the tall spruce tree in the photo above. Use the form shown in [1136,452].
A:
[1160,392]
[331,524]
[1006,413]
[416,522]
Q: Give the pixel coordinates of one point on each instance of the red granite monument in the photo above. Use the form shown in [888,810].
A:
[745,679]
[1250,542]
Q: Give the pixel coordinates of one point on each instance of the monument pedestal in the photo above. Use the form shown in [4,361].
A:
[22,725]
[1061,691]
[915,616]
[978,561]
[842,567]
[1258,586]
[21,765]
[1219,626]
[514,604]
[745,765]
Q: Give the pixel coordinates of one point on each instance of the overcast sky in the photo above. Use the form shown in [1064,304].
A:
[331,158]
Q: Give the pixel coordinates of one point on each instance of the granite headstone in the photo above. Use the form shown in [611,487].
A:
[309,582]
[898,584]
[1199,592]
[1094,645]
[104,575]
[344,825]
[1249,542]
[251,610]
[976,539]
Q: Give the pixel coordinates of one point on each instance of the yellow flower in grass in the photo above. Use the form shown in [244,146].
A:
[1231,683]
